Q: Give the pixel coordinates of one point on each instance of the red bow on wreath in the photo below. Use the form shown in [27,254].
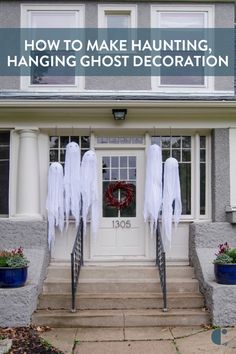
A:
[124,202]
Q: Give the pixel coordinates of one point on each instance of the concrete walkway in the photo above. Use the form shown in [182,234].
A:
[150,340]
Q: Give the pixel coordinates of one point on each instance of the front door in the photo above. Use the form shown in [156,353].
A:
[122,230]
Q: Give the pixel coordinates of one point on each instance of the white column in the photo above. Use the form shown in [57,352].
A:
[28,197]
[232,159]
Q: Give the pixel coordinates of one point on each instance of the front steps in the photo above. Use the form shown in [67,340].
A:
[120,318]
[121,296]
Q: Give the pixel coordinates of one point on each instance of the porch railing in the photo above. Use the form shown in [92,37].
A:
[76,263]
[161,264]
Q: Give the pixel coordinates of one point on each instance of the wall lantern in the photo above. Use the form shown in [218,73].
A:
[119,114]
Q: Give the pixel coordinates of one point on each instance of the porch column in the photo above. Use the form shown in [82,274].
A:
[220,174]
[231,209]
[28,197]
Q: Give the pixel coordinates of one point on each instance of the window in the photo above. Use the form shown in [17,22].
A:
[117,20]
[119,168]
[191,151]
[179,147]
[114,16]
[188,16]
[49,16]
[58,146]
[4,171]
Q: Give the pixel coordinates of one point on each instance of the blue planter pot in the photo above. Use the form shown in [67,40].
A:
[225,273]
[13,277]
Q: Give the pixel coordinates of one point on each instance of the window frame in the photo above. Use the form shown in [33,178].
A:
[26,10]
[209,14]
[195,173]
[59,148]
[104,9]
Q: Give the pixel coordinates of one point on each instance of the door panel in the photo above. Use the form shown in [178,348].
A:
[122,231]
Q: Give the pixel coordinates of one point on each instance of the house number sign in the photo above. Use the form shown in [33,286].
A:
[121,224]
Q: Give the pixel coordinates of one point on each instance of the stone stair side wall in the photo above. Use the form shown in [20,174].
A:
[18,304]
[204,240]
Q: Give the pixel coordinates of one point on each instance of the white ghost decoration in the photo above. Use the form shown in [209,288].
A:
[72,182]
[89,187]
[55,201]
[153,186]
[171,193]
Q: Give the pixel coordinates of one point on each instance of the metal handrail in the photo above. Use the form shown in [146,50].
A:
[76,263]
[161,264]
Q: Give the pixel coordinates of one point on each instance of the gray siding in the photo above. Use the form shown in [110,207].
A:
[10,17]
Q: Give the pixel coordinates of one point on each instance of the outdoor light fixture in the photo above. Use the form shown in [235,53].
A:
[119,114]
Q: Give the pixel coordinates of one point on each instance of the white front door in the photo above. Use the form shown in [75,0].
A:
[122,231]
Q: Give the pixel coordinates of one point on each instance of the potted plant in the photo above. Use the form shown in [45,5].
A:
[225,265]
[13,268]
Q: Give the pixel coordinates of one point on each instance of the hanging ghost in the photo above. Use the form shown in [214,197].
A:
[153,186]
[89,187]
[72,183]
[171,194]
[55,201]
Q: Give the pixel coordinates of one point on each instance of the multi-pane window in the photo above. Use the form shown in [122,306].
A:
[58,146]
[114,169]
[179,147]
[4,171]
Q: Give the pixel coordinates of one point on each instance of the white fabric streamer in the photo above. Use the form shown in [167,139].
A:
[72,183]
[153,186]
[89,187]
[55,201]
[171,194]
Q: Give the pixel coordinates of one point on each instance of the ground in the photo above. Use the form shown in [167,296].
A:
[136,340]
[27,340]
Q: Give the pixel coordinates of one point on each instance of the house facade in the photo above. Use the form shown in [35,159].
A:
[190,118]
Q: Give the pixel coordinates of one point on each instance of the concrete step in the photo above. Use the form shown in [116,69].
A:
[121,272]
[120,318]
[120,301]
[181,285]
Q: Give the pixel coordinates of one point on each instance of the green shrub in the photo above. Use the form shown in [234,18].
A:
[223,258]
[17,261]
[232,253]
[13,259]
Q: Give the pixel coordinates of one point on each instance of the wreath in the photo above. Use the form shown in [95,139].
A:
[124,202]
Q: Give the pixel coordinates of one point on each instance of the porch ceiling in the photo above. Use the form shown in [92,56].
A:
[98,114]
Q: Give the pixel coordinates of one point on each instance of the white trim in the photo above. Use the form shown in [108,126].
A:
[185,8]
[196,176]
[195,171]
[26,10]
[116,9]
[27,7]
[208,214]
[232,149]
[208,10]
